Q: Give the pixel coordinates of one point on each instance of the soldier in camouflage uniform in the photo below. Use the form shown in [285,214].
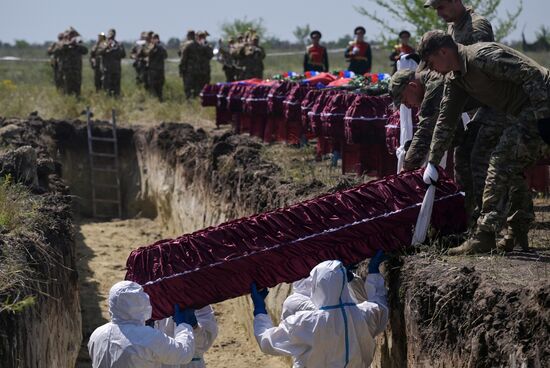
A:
[155,54]
[226,57]
[467,28]
[253,56]
[206,55]
[422,90]
[95,61]
[137,54]
[54,61]
[190,63]
[507,81]
[111,52]
[70,60]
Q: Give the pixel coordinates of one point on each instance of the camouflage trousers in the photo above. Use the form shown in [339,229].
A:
[506,191]
[155,82]
[72,80]
[98,79]
[191,85]
[111,82]
[57,77]
[464,141]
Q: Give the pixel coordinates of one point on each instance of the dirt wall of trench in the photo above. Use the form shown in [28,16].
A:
[46,332]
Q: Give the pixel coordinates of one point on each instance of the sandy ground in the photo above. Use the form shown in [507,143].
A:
[102,249]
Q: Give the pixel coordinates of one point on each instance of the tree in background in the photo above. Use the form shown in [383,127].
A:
[420,20]
[241,26]
[173,43]
[302,34]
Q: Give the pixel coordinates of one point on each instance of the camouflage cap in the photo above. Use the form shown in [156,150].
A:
[398,83]
[432,3]
[111,32]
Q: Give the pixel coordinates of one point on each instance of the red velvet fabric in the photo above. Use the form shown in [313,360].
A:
[223,115]
[307,105]
[314,116]
[538,178]
[218,263]
[209,94]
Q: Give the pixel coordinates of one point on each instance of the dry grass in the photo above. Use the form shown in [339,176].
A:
[18,218]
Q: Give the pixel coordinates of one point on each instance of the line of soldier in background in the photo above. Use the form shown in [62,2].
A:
[242,57]
[149,55]
[66,61]
[105,59]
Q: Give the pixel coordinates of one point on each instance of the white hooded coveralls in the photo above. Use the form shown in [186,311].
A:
[205,333]
[127,342]
[338,333]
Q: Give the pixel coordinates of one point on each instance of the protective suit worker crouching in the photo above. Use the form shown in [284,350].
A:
[205,333]
[338,332]
[127,342]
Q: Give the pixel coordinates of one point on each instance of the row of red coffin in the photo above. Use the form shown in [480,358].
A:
[362,128]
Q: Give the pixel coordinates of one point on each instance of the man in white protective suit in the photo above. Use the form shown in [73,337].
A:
[300,299]
[127,342]
[205,333]
[339,332]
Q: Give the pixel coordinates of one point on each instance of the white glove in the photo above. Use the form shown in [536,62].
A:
[430,174]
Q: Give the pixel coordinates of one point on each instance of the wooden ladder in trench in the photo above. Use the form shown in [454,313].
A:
[104,167]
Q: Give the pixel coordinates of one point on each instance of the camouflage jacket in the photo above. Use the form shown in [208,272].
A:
[497,76]
[70,54]
[95,58]
[471,29]
[52,52]
[190,57]
[207,52]
[155,55]
[111,53]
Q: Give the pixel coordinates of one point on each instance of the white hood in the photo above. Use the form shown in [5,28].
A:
[302,287]
[329,284]
[128,303]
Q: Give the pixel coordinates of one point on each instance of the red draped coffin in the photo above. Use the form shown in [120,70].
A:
[218,263]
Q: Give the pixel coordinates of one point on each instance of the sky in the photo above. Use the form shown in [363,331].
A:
[41,20]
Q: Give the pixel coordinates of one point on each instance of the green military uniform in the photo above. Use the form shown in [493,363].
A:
[70,61]
[111,53]
[155,54]
[509,82]
[481,137]
[190,63]
[432,83]
[203,77]
[95,63]
[253,56]
[54,62]
[226,57]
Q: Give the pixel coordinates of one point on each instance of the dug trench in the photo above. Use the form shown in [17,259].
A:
[489,311]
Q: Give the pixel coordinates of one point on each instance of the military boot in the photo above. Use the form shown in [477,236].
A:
[480,242]
[512,239]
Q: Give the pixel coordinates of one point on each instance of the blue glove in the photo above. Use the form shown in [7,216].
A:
[187,315]
[258,298]
[375,261]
